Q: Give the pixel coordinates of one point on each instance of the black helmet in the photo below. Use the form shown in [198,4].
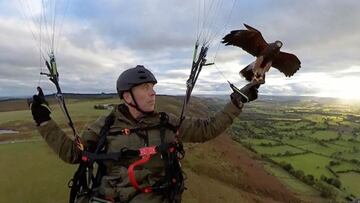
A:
[133,77]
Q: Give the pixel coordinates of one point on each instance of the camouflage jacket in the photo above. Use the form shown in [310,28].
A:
[116,182]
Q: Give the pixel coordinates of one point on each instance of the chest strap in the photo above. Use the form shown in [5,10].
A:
[128,131]
[162,126]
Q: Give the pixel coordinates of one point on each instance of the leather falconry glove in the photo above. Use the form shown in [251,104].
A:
[40,111]
[246,94]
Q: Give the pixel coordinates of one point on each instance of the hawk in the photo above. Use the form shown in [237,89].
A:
[268,54]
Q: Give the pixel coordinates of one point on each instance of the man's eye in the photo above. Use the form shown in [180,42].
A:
[145,87]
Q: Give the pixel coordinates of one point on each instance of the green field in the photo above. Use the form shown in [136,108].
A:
[351,182]
[30,171]
[83,109]
[276,150]
[291,125]
[255,141]
[291,181]
[299,142]
[326,130]
[340,148]
[350,156]
[345,166]
[346,143]
[318,148]
[324,135]
[309,163]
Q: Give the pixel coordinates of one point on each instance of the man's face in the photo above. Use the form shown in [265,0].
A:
[145,96]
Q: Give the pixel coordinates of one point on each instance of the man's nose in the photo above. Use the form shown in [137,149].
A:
[152,92]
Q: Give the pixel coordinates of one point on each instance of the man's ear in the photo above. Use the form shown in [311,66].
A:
[127,97]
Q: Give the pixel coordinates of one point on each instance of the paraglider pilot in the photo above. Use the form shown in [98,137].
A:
[148,168]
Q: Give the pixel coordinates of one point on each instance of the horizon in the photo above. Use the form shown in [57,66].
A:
[201,95]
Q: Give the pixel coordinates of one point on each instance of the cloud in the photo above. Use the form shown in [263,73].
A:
[99,40]
[81,69]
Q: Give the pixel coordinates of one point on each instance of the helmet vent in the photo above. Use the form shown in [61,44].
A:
[143,77]
[141,71]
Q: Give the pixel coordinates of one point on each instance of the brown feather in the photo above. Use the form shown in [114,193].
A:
[249,40]
[286,63]
[248,72]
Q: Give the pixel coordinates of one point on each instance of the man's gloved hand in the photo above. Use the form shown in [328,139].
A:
[246,94]
[40,111]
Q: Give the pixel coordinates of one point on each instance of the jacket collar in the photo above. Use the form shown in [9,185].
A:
[122,114]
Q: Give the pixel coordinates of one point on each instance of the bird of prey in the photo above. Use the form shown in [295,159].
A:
[268,54]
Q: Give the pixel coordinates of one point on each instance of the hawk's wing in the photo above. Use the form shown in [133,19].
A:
[250,40]
[286,63]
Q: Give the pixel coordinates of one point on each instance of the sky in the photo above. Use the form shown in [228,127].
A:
[95,40]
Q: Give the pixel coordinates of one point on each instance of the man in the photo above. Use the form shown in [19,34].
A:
[135,127]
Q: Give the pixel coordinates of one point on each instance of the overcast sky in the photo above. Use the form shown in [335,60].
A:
[95,40]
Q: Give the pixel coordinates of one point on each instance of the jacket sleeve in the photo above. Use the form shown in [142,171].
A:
[201,130]
[65,146]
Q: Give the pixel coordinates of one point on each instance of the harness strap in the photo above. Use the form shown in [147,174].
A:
[77,183]
[173,182]
[165,152]
[145,154]
[136,106]
[115,156]
[109,121]
[80,182]
[163,121]
[128,131]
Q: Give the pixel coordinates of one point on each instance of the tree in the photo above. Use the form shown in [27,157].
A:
[288,167]
[336,182]
[287,153]
[333,163]
[309,179]
[326,191]
[323,178]
[299,174]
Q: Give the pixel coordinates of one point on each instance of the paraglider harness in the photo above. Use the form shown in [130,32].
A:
[84,182]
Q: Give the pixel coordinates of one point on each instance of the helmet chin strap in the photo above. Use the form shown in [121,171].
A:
[136,106]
